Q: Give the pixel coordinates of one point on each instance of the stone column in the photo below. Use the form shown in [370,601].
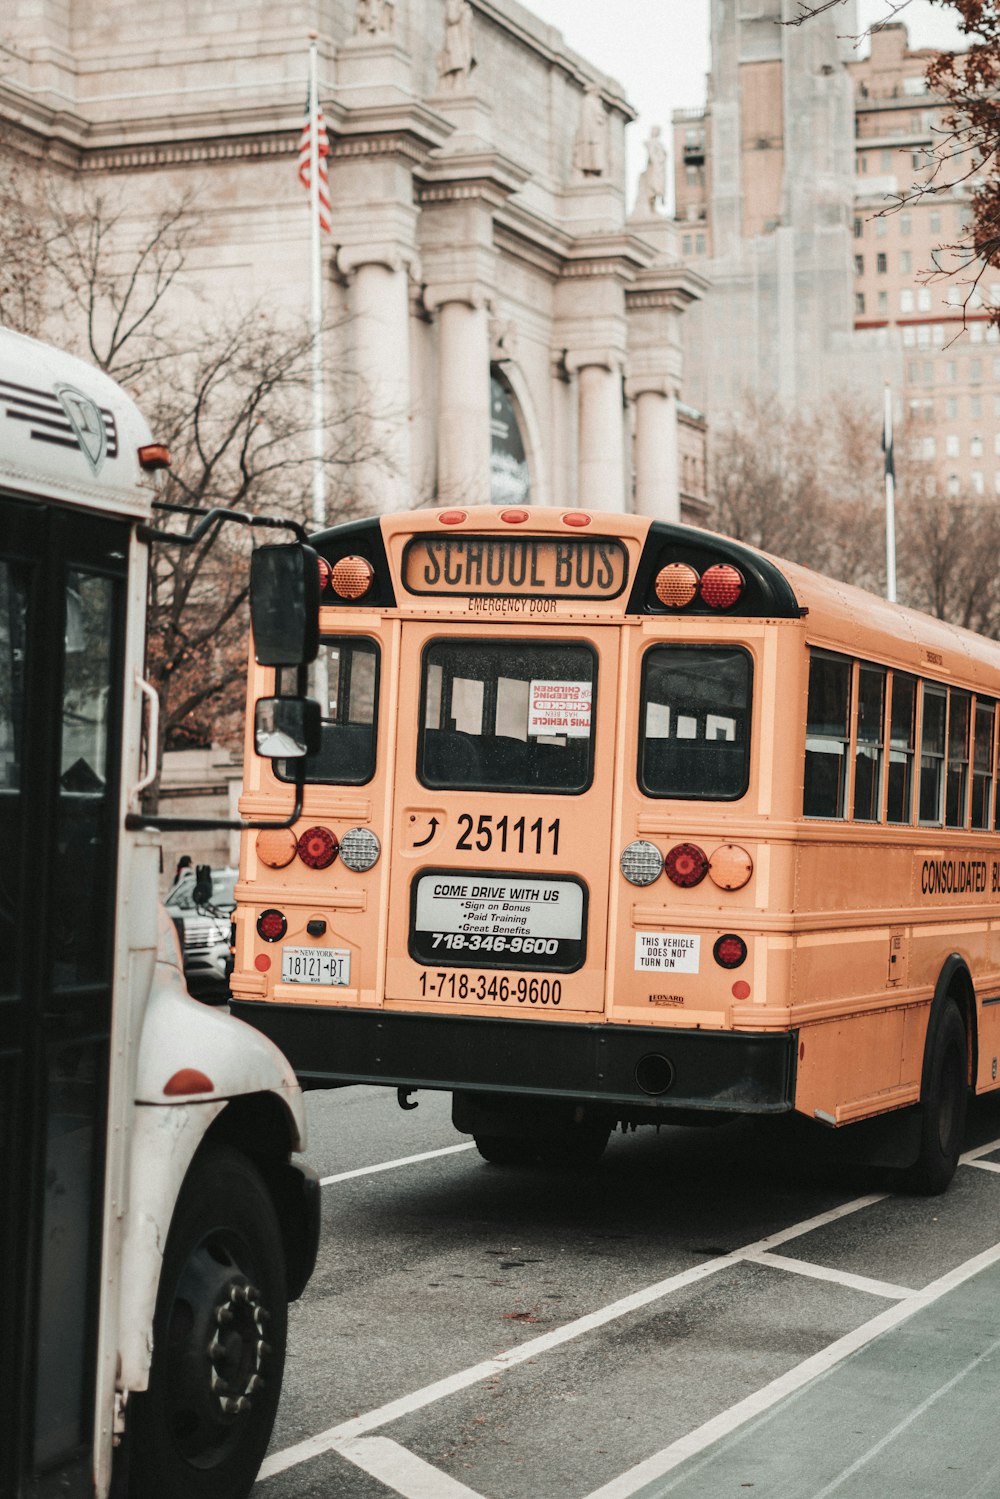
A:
[657,476]
[463,396]
[601,429]
[380,327]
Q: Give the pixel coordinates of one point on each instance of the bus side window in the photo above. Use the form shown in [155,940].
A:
[901,748]
[344,679]
[828,735]
[982,762]
[869,743]
[935,701]
[957,781]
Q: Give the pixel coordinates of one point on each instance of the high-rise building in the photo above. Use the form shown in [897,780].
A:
[787,197]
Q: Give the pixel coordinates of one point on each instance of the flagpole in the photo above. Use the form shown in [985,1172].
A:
[316,279]
[890,498]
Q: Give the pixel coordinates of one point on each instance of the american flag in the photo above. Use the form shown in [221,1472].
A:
[305,175]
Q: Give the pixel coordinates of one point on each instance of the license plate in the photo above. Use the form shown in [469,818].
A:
[315,965]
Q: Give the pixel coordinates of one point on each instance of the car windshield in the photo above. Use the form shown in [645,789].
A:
[181,898]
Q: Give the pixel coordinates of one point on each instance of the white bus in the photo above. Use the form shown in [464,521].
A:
[153,1222]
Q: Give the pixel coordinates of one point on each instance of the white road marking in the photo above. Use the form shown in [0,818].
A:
[356,1426]
[764,1399]
[985,1165]
[402,1471]
[406,1160]
[838,1277]
[901,1426]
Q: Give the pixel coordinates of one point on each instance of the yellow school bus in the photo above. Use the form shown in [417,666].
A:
[617,821]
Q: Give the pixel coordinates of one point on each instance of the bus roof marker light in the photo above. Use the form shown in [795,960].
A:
[576,518]
[351,577]
[452,517]
[359,849]
[641,862]
[153,456]
[676,585]
[685,865]
[514,517]
[317,848]
[721,586]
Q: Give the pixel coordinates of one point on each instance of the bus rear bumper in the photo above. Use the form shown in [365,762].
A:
[635,1067]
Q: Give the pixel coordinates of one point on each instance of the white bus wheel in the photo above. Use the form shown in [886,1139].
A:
[201,1429]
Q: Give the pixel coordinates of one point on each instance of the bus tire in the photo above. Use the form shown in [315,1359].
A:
[943,1103]
[201,1429]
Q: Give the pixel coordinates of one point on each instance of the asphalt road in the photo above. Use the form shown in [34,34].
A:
[706,1314]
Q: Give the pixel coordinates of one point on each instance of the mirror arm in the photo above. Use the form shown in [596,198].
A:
[137,822]
[208,518]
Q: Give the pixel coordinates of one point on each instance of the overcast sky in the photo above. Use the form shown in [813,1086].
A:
[658,49]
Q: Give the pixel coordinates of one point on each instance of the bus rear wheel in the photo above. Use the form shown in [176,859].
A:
[201,1429]
[943,1103]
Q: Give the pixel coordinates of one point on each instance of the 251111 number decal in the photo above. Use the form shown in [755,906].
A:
[506,835]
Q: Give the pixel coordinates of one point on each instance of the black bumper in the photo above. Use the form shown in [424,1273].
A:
[726,1071]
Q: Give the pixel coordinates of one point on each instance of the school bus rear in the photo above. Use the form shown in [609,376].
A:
[534,865]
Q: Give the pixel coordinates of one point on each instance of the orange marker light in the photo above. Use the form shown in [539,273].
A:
[188,1080]
[676,585]
[352,577]
[154,455]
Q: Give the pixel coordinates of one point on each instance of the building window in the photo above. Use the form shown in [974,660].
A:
[859,301]
[905,223]
[975,446]
[859,228]
[913,373]
[880,263]
[953,485]
[950,372]
[975,370]
[883,301]
[951,445]
[976,479]
[699,244]
[935,222]
[686,245]
[880,228]
[928,374]
[885,161]
[976,333]
[906,300]
[951,408]
[996,441]
[924,298]
[975,406]
[859,265]
[906,262]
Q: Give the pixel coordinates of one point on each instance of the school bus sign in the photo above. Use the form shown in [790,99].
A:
[570,568]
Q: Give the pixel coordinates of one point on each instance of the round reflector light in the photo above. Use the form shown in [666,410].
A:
[729,951]
[576,518]
[351,577]
[317,848]
[514,517]
[730,866]
[275,847]
[641,863]
[359,849]
[452,517]
[685,865]
[721,586]
[271,925]
[676,585]
[324,573]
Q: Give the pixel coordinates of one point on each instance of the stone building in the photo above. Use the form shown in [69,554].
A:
[764,206]
[515,333]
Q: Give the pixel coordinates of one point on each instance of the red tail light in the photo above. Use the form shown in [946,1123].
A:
[317,848]
[685,865]
[730,951]
[325,572]
[271,925]
[721,586]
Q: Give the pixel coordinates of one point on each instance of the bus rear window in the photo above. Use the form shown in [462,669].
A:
[344,679]
[695,735]
[507,716]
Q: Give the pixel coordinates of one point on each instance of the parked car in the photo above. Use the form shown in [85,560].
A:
[204,931]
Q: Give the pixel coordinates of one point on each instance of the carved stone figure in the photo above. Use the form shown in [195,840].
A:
[653,180]
[456,60]
[590,149]
[376,17]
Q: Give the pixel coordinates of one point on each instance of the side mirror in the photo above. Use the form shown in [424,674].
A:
[284,605]
[286,728]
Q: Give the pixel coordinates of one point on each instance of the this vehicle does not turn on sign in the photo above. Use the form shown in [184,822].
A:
[667,952]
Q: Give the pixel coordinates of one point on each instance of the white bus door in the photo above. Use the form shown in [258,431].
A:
[61,633]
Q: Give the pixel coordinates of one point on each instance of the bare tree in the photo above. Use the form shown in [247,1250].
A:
[22,248]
